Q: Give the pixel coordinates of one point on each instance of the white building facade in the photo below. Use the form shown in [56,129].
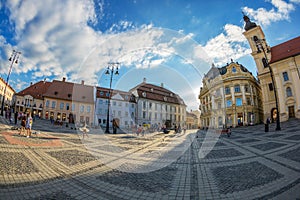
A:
[122,108]
[157,106]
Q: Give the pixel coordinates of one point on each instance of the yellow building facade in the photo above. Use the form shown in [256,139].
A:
[9,93]
[230,97]
[69,102]
[60,101]
[278,72]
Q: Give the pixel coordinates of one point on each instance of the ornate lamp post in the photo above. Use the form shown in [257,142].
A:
[13,59]
[260,47]
[113,68]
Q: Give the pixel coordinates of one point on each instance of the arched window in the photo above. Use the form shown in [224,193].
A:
[289,92]
[233,69]
[265,62]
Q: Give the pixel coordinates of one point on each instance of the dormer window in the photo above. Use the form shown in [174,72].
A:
[69,95]
[144,94]
[55,92]
[165,98]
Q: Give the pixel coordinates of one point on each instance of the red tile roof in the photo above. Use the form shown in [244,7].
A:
[60,90]
[36,90]
[70,91]
[285,50]
[153,92]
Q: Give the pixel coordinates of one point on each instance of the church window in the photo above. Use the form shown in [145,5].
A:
[285,76]
[265,62]
[271,87]
[289,92]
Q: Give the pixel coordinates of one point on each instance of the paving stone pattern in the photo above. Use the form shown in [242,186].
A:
[268,146]
[72,157]
[293,155]
[243,176]
[250,164]
[16,163]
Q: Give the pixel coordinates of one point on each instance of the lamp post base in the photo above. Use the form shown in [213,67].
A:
[278,128]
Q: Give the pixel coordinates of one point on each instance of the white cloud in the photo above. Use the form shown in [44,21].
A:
[53,35]
[228,45]
[265,17]
[56,40]
[295,1]
[231,43]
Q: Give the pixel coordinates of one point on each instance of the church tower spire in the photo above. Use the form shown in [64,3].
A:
[260,48]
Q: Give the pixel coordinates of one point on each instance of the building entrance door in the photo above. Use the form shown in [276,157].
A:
[291,111]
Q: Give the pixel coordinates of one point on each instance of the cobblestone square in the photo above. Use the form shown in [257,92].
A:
[60,164]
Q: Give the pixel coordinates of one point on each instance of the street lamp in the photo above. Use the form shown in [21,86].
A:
[113,68]
[13,59]
[259,44]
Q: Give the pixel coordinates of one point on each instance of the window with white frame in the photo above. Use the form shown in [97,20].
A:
[62,105]
[88,109]
[53,104]
[81,108]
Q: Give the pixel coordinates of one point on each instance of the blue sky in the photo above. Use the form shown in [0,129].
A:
[165,41]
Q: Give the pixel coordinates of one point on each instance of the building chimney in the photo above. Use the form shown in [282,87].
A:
[82,82]
[64,79]
[162,85]
[144,80]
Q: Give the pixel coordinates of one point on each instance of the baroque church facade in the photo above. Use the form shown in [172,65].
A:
[278,72]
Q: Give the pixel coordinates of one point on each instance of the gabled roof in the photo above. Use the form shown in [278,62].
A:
[285,50]
[157,93]
[36,90]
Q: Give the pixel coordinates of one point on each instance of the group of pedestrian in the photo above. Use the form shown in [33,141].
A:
[140,130]
[26,125]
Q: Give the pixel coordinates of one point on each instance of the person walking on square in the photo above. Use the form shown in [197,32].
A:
[23,124]
[28,124]
[16,117]
[84,130]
